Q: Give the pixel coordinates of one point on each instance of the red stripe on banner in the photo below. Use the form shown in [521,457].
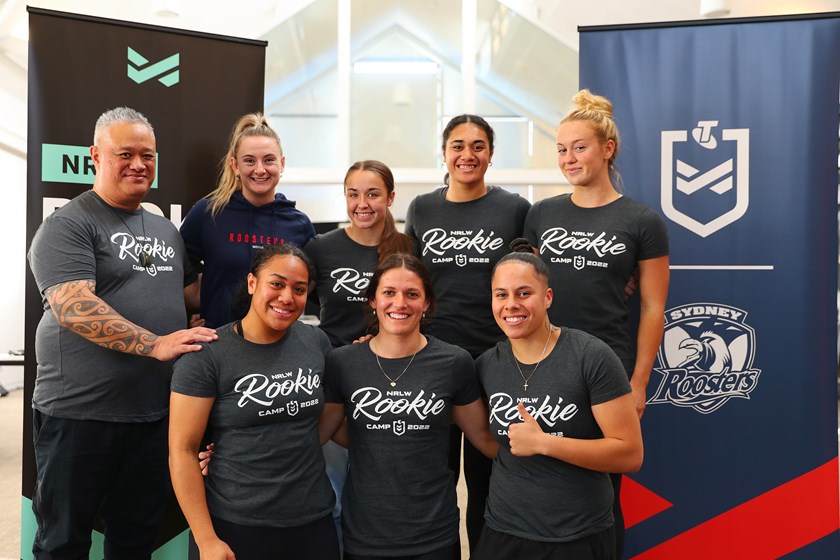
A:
[639,503]
[771,525]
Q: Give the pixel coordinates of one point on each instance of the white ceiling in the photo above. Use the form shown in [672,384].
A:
[253,19]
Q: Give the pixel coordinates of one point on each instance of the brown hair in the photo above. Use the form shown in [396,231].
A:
[392,240]
[408,262]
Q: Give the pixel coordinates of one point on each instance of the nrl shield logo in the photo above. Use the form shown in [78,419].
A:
[461,260]
[399,427]
[706,357]
[293,408]
[705,182]
[579,262]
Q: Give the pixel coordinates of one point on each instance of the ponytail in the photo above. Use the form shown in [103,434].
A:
[392,241]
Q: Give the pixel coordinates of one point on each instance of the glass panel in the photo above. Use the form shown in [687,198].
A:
[524,80]
[395,116]
[301,84]
[527,73]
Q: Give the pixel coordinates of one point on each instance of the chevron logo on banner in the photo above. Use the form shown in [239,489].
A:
[139,69]
[703,197]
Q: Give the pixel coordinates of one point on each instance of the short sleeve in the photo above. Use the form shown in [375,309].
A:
[410,220]
[312,250]
[530,229]
[467,389]
[323,341]
[603,372]
[522,210]
[654,236]
[62,251]
[195,374]
[332,378]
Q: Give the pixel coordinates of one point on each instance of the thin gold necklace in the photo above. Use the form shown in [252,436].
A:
[542,355]
[388,377]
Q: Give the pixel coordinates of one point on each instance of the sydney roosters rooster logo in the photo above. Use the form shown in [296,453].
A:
[706,357]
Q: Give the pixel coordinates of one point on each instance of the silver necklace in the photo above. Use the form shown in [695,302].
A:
[388,377]
[533,371]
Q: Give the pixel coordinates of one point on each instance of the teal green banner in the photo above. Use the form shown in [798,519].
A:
[62,163]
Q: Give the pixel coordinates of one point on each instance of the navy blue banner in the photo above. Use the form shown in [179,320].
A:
[730,131]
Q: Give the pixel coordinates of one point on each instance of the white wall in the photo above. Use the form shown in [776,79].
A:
[13,259]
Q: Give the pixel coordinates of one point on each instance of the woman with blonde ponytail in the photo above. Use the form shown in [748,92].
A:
[241,215]
[593,240]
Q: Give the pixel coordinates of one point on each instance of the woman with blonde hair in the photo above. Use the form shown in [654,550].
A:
[593,240]
[241,215]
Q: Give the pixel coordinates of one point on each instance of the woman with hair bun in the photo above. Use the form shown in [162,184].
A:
[241,215]
[593,240]
[561,410]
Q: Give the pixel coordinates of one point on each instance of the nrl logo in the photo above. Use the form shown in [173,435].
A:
[712,191]
[706,357]
[461,260]
[399,427]
[293,408]
[579,262]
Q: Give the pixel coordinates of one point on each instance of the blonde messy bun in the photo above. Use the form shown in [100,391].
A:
[598,110]
[585,101]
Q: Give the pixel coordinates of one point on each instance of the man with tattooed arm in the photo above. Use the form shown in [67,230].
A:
[114,279]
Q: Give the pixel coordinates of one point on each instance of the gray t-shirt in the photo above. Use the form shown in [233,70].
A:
[590,254]
[541,498]
[342,273]
[400,494]
[459,243]
[88,240]
[268,469]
